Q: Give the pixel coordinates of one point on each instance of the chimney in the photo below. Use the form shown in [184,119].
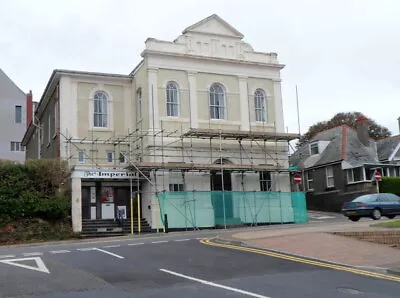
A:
[362,125]
[398,120]
[29,108]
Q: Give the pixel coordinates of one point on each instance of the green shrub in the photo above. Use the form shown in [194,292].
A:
[37,188]
[390,184]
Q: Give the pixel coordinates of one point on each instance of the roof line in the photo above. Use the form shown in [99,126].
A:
[12,81]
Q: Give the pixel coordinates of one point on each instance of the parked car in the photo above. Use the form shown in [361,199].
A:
[372,205]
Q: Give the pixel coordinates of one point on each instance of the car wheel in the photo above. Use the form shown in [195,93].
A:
[354,218]
[391,216]
[376,214]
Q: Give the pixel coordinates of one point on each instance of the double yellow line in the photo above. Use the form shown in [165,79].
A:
[301,260]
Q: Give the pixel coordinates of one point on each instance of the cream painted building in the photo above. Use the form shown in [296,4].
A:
[200,113]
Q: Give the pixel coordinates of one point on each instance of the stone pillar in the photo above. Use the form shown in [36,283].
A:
[153,98]
[194,123]
[76,197]
[244,104]
[279,123]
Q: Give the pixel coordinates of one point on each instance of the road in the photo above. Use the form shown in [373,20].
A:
[177,265]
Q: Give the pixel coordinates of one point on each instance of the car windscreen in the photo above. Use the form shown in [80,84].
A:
[365,198]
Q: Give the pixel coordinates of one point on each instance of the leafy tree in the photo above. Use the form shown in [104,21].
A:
[376,131]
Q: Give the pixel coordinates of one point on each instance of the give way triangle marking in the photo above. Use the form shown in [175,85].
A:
[40,266]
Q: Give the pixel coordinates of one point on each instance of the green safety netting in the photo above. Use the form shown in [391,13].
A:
[209,209]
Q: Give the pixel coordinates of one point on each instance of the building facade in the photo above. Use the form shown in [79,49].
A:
[200,113]
[13,119]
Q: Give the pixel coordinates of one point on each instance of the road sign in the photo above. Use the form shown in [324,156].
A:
[40,266]
[297,178]
[378,176]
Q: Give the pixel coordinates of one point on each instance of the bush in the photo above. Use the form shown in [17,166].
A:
[37,188]
[390,184]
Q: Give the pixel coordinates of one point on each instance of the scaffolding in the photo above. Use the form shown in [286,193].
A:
[156,148]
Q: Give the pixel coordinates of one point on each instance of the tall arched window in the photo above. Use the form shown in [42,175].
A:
[217,101]
[172,99]
[100,111]
[259,103]
[138,104]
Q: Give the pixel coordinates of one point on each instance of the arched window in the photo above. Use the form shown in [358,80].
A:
[100,111]
[172,99]
[259,103]
[217,101]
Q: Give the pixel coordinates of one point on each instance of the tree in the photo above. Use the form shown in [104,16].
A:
[376,131]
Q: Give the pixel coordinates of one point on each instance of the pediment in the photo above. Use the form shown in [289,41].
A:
[214,25]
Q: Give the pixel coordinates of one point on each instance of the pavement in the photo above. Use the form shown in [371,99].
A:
[188,264]
[318,243]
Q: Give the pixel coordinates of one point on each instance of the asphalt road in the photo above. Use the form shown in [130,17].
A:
[171,266]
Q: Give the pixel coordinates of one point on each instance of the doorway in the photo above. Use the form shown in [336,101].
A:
[221,187]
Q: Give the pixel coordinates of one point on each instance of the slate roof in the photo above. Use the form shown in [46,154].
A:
[344,144]
[387,146]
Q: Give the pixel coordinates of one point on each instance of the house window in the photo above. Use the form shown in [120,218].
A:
[175,187]
[139,104]
[110,156]
[314,148]
[265,181]
[309,180]
[16,146]
[122,158]
[355,175]
[100,113]
[172,99]
[217,101]
[18,114]
[330,181]
[81,157]
[54,122]
[259,102]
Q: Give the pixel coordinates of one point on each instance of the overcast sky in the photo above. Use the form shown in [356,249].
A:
[344,55]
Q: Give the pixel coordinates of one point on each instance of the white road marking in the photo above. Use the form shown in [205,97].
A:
[133,244]
[39,263]
[7,256]
[59,251]
[111,246]
[109,253]
[29,254]
[86,249]
[215,285]
[200,238]
[181,240]
[163,241]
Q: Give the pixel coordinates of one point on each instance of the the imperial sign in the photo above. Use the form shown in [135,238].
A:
[102,174]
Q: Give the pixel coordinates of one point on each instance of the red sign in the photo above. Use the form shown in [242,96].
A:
[378,176]
[297,178]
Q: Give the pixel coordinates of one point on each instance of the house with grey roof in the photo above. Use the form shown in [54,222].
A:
[339,164]
[15,112]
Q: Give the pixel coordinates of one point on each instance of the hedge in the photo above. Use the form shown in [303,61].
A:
[36,189]
[390,184]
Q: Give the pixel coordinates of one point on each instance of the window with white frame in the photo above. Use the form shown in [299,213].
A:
[175,187]
[309,180]
[217,101]
[259,103]
[16,146]
[110,156]
[314,148]
[330,180]
[172,100]
[355,175]
[18,114]
[138,104]
[265,181]
[49,129]
[81,157]
[100,111]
